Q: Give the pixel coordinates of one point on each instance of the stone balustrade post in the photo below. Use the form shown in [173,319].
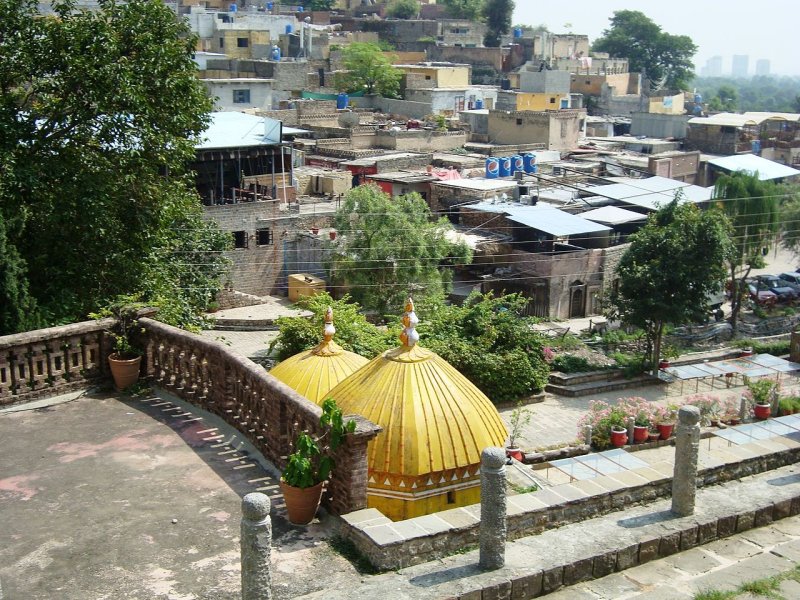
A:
[493,509]
[743,408]
[631,424]
[256,546]
[587,435]
[687,448]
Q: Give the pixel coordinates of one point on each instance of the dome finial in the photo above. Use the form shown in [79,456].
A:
[409,336]
[328,330]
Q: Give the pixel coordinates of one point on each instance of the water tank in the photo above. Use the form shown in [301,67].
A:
[525,199]
[269,6]
[288,29]
[232,8]
[492,168]
[478,104]
[698,99]
[517,32]
[299,9]
[517,163]
[755,146]
[505,84]
[697,110]
[342,101]
[276,53]
[529,163]
[505,166]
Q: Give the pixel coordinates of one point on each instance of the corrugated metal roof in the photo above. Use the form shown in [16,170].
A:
[552,221]
[612,215]
[750,163]
[728,120]
[650,193]
[231,129]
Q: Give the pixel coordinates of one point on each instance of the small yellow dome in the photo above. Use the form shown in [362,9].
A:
[315,372]
[434,419]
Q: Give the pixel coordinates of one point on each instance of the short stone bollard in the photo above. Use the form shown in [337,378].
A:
[587,435]
[743,408]
[687,448]
[493,509]
[256,546]
[631,425]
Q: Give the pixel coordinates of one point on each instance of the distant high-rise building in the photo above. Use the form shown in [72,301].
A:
[762,66]
[741,65]
[714,66]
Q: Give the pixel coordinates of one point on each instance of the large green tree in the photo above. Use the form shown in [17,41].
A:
[471,10]
[390,248]
[403,9]
[752,206]
[497,14]
[369,70]
[666,59]
[726,99]
[98,115]
[674,263]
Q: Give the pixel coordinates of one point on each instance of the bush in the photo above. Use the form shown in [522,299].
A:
[776,347]
[602,416]
[632,364]
[569,363]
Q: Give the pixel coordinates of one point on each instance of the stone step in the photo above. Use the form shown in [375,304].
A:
[558,378]
[599,387]
[540,564]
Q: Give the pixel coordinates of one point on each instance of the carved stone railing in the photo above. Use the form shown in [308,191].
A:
[268,412]
[48,362]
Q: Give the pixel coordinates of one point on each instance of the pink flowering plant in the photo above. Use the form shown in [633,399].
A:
[711,407]
[640,409]
[602,417]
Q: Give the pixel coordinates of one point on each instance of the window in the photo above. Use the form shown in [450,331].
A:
[552,100]
[263,237]
[451,497]
[241,96]
[427,77]
[563,129]
[519,121]
[240,239]
[222,42]
[242,42]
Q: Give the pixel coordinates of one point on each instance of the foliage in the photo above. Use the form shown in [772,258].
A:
[403,9]
[311,463]
[520,418]
[369,70]
[726,99]
[319,4]
[776,348]
[569,363]
[632,363]
[790,217]
[751,206]
[666,59]
[762,390]
[497,14]
[353,331]
[470,10]
[85,142]
[642,411]
[671,267]
[126,310]
[490,342]
[602,417]
[389,248]
[567,341]
[765,93]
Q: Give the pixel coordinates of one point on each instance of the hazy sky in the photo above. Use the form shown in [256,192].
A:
[761,29]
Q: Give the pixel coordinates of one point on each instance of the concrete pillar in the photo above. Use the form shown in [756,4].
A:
[687,448]
[631,424]
[493,509]
[256,543]
[743,411]
[587,435]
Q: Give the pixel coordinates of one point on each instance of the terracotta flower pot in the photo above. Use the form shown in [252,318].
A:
[663,364]
[332,235]
[619,437]
[653,436]
[301,503]
[640,434]
[515,453]
[125,371]
[665,430]
[762,411]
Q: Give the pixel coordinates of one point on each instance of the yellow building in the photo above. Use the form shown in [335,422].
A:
[535,101]
[315,372]
[435,425]
[426,75]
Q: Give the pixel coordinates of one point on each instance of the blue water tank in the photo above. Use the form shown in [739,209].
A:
[288,28]
[517,163]
[478,104]
[529,162]
[697,110]
[517,32]
[342,101]
[270,5]
[698,99]
[299,9]
[505,166]
[755,146]
[276,53]
[492,168]
[232,8]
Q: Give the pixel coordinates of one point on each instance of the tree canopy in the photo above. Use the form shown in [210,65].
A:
[671,267]
[403,9]
[98,115]
[389,248]
[790,218]
[767,93]
[752,206]
[726,99]
[319,4]
[370,70]
[497,14]
[666,59]
[471,10]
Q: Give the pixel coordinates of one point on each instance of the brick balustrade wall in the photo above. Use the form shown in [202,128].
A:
[207,374]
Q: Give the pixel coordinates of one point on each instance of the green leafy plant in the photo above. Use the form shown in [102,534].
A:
[761,391]
[520,418]
[602,417]
[311,462]
[126,310]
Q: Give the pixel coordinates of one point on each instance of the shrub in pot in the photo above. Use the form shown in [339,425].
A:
[311,463]
[126,359]
[520,417]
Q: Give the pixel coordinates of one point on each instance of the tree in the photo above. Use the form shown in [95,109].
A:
[727,99]
[666,59]
[390,248]
[320,4]
[470,10]
[790,218]
[94,161]
[370,70]
[671,267]
[752,208]
[403,9]
[497,14]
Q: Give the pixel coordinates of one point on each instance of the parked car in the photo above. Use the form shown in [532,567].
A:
[793,278]
[777,286]
[763,298]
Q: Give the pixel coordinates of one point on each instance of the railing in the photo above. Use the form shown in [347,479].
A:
[205,373]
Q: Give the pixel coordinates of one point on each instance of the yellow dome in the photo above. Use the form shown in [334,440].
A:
[315,372]
[434,419]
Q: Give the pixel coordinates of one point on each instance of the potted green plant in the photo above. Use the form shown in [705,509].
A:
[786,406]
[520,418]
[125,360]
[665,422]
[761,393]
[310,464]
